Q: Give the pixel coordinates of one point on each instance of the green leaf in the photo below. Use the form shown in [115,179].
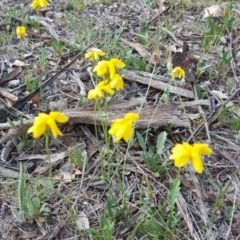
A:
[141,141]
[21,185]
[20,146]
[228,212]
[162,137]
[36,203]
[213,184]
[78,157]
[41,219]
[13,126]
[173,192]
[19,215]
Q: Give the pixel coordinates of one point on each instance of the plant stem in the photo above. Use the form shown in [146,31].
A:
[49,156]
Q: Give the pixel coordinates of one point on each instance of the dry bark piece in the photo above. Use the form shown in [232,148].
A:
[151,116]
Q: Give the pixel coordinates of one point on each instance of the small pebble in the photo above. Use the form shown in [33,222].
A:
[14,83]
[59,15]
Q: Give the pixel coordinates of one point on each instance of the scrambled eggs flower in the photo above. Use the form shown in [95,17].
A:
[95,54]
[98,91]
[44,122]
[184,153]
[123,127]
[117,82]
[108,67]
[38,4]
[20,31]
[178,72]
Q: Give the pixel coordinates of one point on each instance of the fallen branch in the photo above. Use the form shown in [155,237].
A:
[150,116]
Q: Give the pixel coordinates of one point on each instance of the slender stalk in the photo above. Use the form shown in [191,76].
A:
[49,156]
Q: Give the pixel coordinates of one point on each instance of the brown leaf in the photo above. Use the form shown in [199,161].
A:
[142,50]
[19,63]
[155,59]
[214,10]
[11,76]
[82,221]
[161,6]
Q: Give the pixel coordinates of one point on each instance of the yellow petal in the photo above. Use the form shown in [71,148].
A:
[89,55]
[39,127]
[54,128]
[59,117]
[20,31]
[181,154]
[111,69]
[180,161]
[43,3]
[117,63]
[39,131]
[117,82]
[178,72]
[30,130]
[202,148]
[197,162]
[101,68]
[114,128]
[108,90]
[128,134]
[95,93]
[100,52]
[131,116]
[121,132]
[35,4]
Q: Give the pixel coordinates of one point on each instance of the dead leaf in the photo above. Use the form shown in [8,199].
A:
[142,50]
[219,94]
[11,75]
[26,235]
[161,6]
[76,172]
[19,63]
[8,95]
[82,221]
[66,176]
[214,10]
[155,58]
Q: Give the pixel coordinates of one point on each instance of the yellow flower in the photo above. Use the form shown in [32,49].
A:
[178,72]
[117,63]
[38,4]
[123,127]
[20,31]
[97,92]
[95,54]
[44,122]
[108,67]
[117,82]
[183,153]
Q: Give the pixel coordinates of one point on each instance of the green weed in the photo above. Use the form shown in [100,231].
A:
[21,141]
[30,202]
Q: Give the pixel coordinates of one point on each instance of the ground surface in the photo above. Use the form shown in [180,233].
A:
[109,188]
